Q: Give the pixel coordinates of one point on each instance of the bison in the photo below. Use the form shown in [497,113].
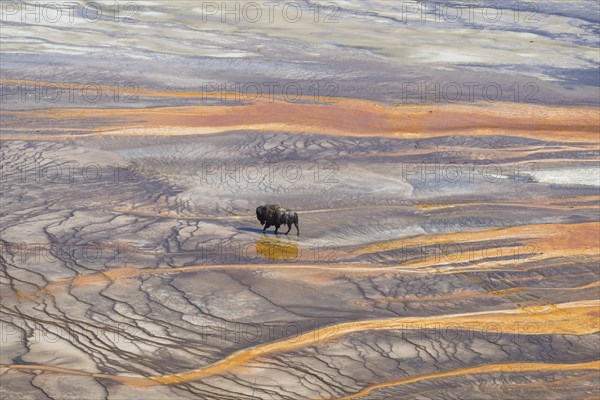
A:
[273,215]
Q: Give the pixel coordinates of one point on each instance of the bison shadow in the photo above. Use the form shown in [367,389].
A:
[258,230]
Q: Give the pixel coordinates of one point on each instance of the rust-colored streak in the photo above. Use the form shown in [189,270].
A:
[549,239]
[484,369]
[469,295]
[546,241]
[549,203]
[582,318]
[347,117]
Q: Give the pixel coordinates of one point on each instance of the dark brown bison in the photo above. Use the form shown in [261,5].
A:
[273,215]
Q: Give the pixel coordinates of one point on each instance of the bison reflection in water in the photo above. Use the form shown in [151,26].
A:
[273,215]
[273,248]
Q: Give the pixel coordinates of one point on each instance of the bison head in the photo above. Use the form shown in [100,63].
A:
[260,214]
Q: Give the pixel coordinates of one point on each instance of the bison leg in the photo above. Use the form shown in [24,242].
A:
[276,227]
[297,229]
[289,228]
[266,226]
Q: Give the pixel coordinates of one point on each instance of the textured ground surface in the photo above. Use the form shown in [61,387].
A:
[448,250]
